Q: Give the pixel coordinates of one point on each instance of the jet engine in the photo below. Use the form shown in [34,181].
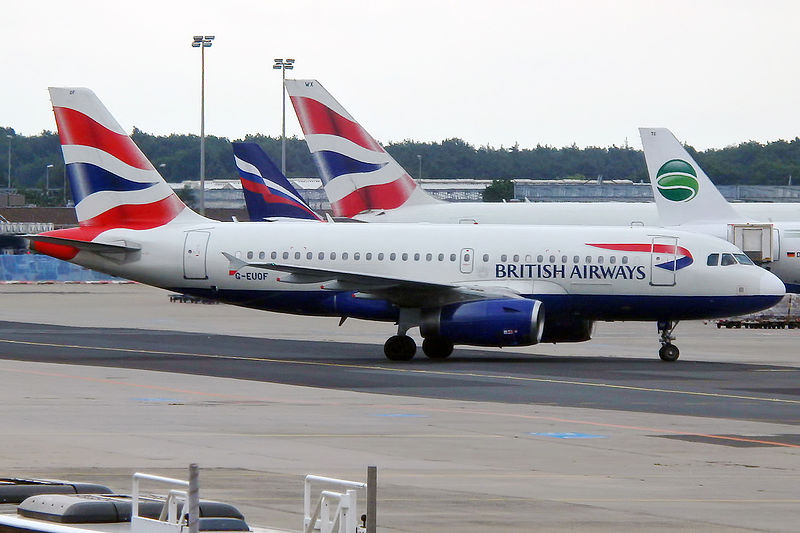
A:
[509,322]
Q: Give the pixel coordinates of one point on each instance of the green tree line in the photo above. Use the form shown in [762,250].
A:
[177,158]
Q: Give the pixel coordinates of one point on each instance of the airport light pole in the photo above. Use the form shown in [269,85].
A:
[202,42]
[419,159]
[47,180]
[283,65]
[9,161]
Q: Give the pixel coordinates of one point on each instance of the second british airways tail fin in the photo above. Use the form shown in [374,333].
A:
[267,192]
[358,174]
[683,192]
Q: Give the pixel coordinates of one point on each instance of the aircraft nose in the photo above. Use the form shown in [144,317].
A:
[771,285]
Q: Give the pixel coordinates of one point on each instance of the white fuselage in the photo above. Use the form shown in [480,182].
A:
[557,265]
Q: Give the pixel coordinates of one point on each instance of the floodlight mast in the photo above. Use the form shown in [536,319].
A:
[283,65]
[202,42]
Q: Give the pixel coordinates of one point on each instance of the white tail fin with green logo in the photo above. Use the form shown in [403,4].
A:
[683,192]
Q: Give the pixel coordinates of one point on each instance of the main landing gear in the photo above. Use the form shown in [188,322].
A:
[401,347]
[668,352]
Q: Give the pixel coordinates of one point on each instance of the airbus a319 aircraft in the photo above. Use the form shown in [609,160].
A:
[477,285]
[364,182]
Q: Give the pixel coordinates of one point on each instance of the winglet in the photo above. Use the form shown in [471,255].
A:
[683,192]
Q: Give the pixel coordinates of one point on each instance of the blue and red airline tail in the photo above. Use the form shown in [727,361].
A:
[358,174]
[267,192]
[113,184]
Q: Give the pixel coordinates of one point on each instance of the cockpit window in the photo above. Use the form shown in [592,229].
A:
[743,259]
[728,259]
[713,260]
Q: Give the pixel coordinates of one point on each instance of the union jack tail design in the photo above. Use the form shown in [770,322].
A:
[113,184]
[358,174]
[267,192]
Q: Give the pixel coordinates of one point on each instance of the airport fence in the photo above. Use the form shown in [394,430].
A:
[22,268]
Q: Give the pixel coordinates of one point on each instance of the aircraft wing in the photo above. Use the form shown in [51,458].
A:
[400,291]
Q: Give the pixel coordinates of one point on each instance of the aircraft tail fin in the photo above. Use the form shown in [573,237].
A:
[358,174]
[683,192]
[113,184]
[267,192]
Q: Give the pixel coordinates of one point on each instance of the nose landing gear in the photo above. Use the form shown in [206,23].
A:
[668,352]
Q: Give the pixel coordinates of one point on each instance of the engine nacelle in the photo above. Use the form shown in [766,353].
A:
[511,322]
[568,330]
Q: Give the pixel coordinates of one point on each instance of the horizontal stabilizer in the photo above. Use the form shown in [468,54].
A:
[88,246]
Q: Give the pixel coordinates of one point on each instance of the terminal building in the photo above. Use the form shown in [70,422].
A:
[227,194]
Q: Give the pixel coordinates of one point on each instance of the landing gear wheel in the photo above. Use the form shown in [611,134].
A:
[437,347]
[669,352]
[400,348]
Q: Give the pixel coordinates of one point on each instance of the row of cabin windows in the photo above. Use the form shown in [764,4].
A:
[368,256]
[380,256]
[728,259]
[552,259]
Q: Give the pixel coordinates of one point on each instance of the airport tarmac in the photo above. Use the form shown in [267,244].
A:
[488,440]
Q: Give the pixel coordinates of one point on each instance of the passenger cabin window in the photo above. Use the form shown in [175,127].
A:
[503,258]
[588,259]
[286,255]
[576,259]
[563,258]
[262,255]
[552,259]
[728,259]
[539,258]
[368,256]
[416,257]
[428,257]
[321,256]
[309,255]
[297,255]
[516,258]
[380,256]
[249,255]
[441,257]
[743,259]
[713,260]
[624,259]
[344,256]
[357,256]
[612,259]
[452,258]
[404,257]
[333,255]
[485,258]
[600,259]
[392,256]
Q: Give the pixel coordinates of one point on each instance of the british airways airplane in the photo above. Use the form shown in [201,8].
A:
[364,182]
[477,285]
[687,199]
[267,193]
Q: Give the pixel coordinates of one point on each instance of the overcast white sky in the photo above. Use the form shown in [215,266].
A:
[494,72]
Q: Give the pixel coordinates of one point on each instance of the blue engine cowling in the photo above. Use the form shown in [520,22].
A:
[516,322]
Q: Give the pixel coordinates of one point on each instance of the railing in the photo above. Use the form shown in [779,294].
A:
[25,227]
[337,512]
[172,518]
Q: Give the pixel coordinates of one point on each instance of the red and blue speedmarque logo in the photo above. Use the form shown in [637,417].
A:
[677,257]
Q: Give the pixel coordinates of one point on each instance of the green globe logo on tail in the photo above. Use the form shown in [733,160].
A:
[677,181]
